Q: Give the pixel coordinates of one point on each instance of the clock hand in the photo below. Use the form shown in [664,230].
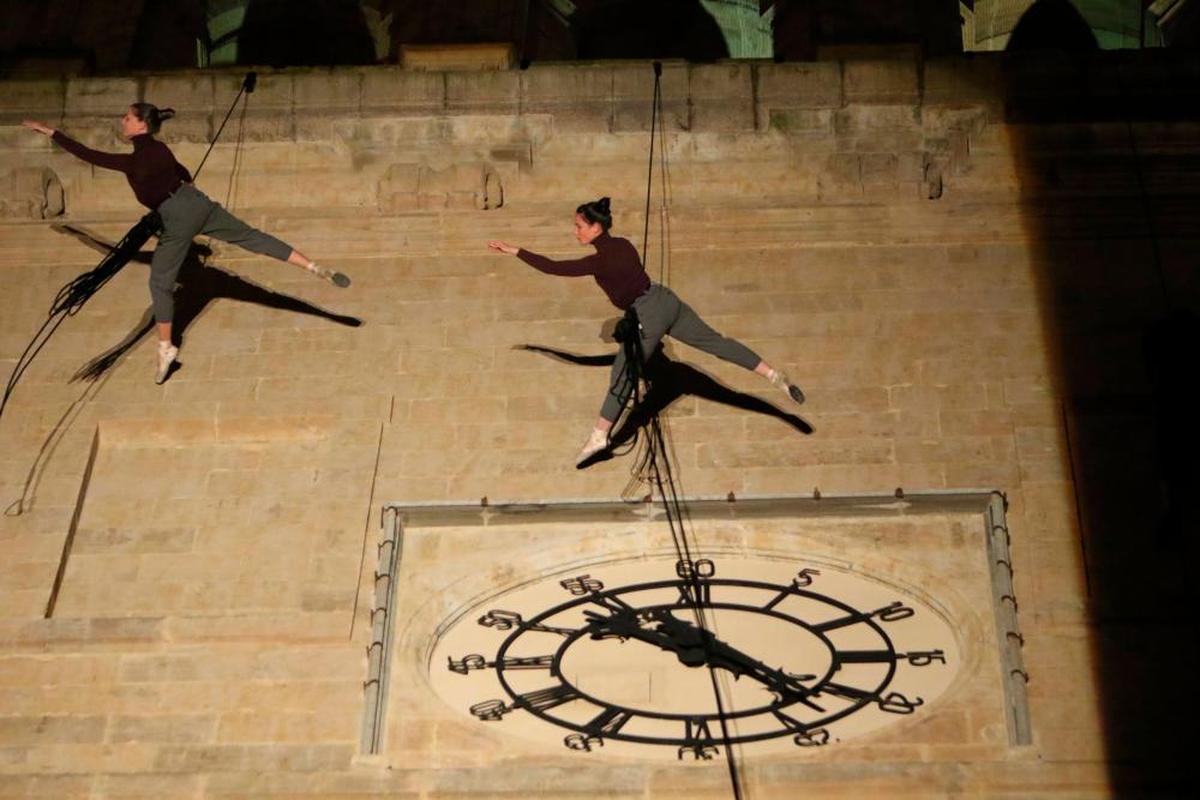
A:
[724,656]
[625,625]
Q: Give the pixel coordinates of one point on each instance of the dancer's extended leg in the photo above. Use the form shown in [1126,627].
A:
[228,228]
[690,329]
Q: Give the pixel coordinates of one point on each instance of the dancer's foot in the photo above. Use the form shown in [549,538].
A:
[781,380]
[597,441]
[166,358]
[331,275]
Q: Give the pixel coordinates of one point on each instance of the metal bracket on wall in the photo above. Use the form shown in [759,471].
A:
[380,649]
[1008,632]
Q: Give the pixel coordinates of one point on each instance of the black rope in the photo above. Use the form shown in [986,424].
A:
[653,464]
[72,297]
[654,107]
[248,84]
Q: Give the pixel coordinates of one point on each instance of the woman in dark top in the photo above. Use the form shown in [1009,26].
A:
[162,184]
[618,270]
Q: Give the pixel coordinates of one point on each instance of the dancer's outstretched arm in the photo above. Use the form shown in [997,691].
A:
[118,161]
[571,268]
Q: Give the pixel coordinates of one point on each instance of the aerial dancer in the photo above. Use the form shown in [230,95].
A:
[618,270]
[164,186]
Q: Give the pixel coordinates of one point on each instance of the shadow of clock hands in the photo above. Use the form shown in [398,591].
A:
[669,380]
[199,284]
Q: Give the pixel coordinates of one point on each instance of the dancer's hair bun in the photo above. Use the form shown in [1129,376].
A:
[597,211]
[152,115]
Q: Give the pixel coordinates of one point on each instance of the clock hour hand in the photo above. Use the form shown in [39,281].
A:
[694,647]
[720,655]
[626,625]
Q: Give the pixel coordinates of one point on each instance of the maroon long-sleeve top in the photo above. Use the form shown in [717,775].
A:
[615,266]
[151,169]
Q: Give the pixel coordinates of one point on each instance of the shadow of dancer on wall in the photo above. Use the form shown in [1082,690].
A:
[198,285]
[667,381]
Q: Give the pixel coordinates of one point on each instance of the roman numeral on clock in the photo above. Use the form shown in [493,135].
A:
[545,699]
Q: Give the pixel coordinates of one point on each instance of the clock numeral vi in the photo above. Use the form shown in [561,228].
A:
[700,744]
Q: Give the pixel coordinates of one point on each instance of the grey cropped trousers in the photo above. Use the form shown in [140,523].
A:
[189,213]
[660,313]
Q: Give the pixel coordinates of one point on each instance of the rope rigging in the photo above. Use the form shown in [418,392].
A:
[652,465]
[75,293]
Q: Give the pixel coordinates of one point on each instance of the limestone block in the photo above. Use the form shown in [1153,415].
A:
[493,92]
[264,124]
[31,193]
[327,92]
[633,93]
[183,92]
[42,99]
[976,80]
[104,97]
[861,118]
[173,728]
[234,758]
[881,82]
[722,97]
[273,90]
[808,122]
[51,730]
[68,787]
[545,86]
[149,785]
[403,91]
[809,85]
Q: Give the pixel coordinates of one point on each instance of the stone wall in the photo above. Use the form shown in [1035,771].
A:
[944,271]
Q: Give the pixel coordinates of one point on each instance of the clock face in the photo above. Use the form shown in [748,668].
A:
[666,658]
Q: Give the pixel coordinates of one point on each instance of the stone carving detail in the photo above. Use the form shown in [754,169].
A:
[31,193]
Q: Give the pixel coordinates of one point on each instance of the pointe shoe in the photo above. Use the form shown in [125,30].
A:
[597,441]
[332,275]
[166,357]
[781,380]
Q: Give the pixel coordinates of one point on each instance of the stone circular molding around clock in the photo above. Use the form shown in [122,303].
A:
[621,657]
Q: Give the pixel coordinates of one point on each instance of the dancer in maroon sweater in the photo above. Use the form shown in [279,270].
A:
[618,270]
[162,184]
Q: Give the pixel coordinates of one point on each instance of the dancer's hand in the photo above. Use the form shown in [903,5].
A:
[41,128]
[504,247]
